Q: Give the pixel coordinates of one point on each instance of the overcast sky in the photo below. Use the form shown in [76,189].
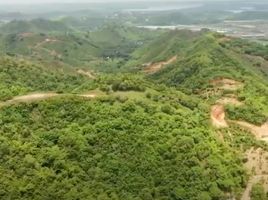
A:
[81,1]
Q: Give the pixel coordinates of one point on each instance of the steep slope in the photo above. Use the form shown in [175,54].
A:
[124,136]
[162,48]
[234,86]
[20,77]
[205,62]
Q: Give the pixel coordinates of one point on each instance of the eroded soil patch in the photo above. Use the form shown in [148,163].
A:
[257,164]
[229,101]
[260,132]
[226,84]
[86,73]
[218,116]
[155,67]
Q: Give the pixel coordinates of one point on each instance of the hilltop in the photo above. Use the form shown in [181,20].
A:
[179,115]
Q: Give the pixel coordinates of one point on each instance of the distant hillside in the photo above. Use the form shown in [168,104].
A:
[163,47]
[250,15]
[112,43]
[207,58]
[36,26]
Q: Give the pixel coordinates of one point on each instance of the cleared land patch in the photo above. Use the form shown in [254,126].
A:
[155,67]
[226,84]
[218,116]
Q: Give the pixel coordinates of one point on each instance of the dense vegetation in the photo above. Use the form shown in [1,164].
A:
[20,77]
[204,60]
[142,136]
[104,149]
[107,47]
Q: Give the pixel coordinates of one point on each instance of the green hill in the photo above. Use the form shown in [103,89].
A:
[206,59]
[139,141]
[131,134]
[21,77]
[36,26]
[112,43]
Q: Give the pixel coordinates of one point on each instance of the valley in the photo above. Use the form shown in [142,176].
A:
[121,103]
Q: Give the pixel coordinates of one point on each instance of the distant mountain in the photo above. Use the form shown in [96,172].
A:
[48,42]
[36,26]
[250,15]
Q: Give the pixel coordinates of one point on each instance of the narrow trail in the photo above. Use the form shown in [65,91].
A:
[217,113]
[257,164]
[32,97]
[47,40]
[89,74]
[253,180]
[257,159]
[227,84]
[260,132]
[229,101]
[155,67]
[42,96]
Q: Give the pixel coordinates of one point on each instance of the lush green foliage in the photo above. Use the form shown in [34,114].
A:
[205,60]
[142,137]
[19,77]
[258,193]
[103,149]
[105,49]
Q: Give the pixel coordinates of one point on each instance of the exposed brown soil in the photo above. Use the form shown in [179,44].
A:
[229,101]
[155,67]
[47,40]
[89,95]
[218,116]
[257,164]
[260,132]
[86,73]
[55,54]
[217,111]
[257,159]
[25,35]
[225,39]
[32,97]
[40,96]
[254,180]
[226,84]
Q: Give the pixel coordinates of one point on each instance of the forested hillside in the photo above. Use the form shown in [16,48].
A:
[110,45]
[128,113]
[115,147]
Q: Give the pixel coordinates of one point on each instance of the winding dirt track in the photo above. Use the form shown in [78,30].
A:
[89,74]
[41,96]
[227,84]
[254,180]
[257,162]
[155,67]
[260,132]
[217,114]
[229,101]
[32,97]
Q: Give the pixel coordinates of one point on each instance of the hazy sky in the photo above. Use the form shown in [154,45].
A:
[78,1]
